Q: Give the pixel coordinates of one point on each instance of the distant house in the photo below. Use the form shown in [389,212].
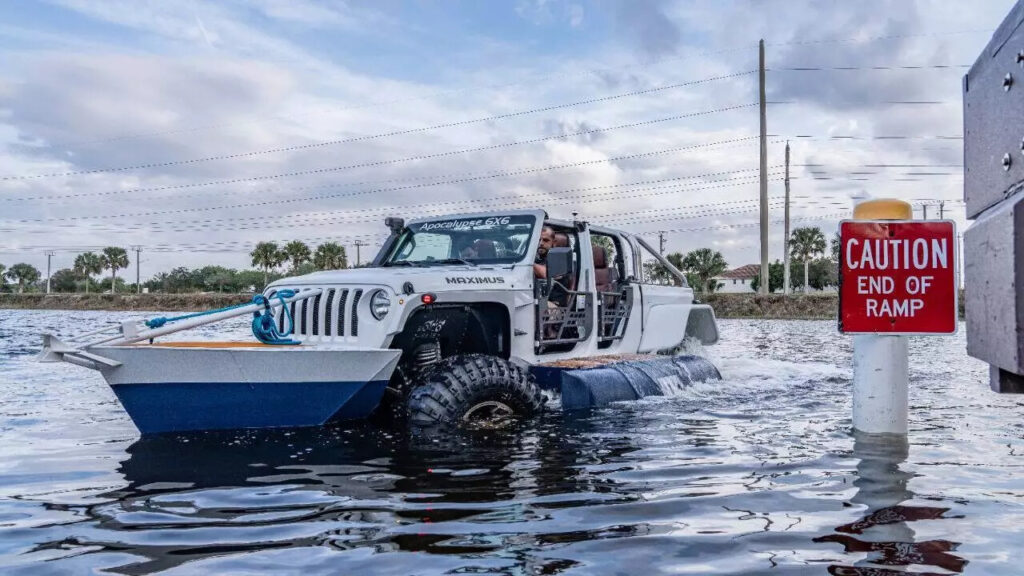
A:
[738,279]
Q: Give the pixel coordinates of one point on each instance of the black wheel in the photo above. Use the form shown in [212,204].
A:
[474,391]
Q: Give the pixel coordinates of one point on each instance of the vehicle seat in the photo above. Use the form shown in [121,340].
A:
[561,240]
[485,249]
[602,272]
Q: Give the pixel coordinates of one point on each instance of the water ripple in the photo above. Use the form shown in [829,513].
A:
[754,474]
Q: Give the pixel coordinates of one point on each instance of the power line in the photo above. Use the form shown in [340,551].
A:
[405,132]
[676,230]
[868,68]
[718,145]
[559,76]
[816,165]
[308,221]
[707,214]
[880,137]
[485,176]
[717,208]
[559,199]
[420,157]
[227,245]
[678,214]
[468,176]
[237,245]
[170,247]
[879,102]
[554,197]
[752,224]
[462,88]
[333,222]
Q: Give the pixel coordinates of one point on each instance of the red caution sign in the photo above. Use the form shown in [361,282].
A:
[897,277]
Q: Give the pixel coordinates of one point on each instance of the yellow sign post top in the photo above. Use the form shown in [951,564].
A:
[883,209]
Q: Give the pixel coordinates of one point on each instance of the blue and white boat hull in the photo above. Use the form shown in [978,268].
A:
[177,388]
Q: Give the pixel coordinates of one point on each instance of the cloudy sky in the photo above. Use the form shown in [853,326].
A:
[196,129]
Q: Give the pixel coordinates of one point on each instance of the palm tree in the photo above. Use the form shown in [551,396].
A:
[656,273]
[266,257]
[87,264]
[297,253]
[23,274]
[115,259]
[705,264]
[804,245]
[330,256]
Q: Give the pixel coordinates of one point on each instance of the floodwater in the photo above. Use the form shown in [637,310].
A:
[757,474]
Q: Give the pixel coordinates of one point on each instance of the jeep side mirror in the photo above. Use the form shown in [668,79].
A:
[559,262]
[395,224]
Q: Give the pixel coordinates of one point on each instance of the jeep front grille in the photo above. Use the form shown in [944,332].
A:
[331,316]
[355,312]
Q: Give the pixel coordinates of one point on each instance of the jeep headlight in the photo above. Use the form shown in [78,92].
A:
[380,303]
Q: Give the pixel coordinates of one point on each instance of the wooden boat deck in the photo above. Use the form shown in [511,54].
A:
[211,344]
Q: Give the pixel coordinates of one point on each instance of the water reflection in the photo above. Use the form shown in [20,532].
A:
[358,486]
[885,534]
[736,478]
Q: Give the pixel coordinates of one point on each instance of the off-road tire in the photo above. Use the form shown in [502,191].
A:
[460,385]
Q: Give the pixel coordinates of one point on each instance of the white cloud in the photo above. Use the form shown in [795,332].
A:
[575,12]
[211,80]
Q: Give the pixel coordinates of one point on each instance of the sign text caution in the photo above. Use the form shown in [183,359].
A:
[897,277]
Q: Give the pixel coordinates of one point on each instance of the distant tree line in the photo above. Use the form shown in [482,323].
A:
[27,278]
[271,262]
[807,255]
[267,258]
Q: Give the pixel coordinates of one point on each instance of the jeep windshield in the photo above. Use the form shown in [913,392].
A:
[469,241]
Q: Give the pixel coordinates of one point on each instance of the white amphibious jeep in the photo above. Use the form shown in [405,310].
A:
[473,303]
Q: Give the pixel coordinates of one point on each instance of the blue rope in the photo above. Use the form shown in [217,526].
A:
[263,326]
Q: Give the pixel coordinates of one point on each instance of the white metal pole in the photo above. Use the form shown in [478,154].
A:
[880,377]
[880,363]
[146,334]
[960,261]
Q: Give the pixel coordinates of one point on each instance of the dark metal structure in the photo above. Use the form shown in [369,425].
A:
[994,193]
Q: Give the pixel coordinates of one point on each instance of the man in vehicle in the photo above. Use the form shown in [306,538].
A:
[540,264]
[558,295]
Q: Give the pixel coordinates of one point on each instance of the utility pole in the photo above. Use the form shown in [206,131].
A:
[942,209]
[49,256]
[359,244]
[661,243]
[763,288]
[925,209]
[138,269]
[785,239]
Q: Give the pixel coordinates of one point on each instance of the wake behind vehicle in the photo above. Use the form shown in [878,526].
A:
[459,319]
